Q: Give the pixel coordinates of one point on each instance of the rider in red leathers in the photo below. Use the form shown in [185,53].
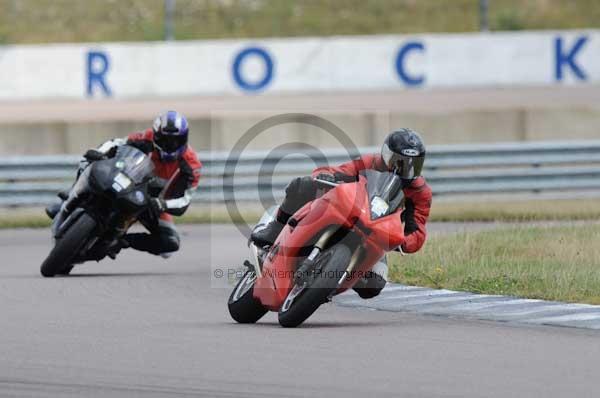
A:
[402,152]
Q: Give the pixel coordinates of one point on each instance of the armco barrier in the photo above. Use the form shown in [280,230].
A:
[461,169]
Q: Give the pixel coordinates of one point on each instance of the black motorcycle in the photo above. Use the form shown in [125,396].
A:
[107,198]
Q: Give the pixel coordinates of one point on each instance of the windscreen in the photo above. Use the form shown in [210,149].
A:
[385,192]
[134,163]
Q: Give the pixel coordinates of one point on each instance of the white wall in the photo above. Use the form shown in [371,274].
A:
[300,65]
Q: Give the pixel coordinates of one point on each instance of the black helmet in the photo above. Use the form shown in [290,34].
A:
[403,152]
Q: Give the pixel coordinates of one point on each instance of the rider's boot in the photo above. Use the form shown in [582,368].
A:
[267,235]
[116,246]
[53,209]
[63,195]
[374,281]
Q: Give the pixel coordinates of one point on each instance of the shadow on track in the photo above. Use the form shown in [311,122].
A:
[93,275]
[311,325]
[118,274]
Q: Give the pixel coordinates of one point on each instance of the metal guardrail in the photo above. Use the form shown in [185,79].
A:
[457,169]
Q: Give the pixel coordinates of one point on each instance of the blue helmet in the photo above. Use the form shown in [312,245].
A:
[170,135]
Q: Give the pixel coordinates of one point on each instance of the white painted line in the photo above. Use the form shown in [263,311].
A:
[441,300]
[566,318]
[473,307]
[394,288]
[415,299]
[543,308]
[421,293]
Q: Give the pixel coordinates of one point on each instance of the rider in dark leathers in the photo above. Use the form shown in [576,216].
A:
[175,164]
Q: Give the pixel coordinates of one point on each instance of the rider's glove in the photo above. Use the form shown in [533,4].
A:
[408,217]
[345,178]
[326,177]
[158,206]
[111,152]
[93,155]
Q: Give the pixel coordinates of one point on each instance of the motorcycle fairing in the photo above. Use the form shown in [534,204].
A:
[346,207]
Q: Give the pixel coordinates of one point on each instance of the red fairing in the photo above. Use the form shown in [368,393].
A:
[281,262]
[346,206]
[419,192]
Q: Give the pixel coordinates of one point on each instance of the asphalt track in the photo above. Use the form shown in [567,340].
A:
[143,326]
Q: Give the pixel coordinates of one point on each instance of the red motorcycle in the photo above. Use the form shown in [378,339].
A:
[326,248]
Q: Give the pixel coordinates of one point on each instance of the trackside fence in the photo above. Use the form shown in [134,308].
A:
[456,169]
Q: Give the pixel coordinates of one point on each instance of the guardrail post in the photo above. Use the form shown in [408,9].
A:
[168,22]
[483,16]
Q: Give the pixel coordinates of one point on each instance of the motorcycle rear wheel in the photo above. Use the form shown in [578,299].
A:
[59,261]
[243,307]
[317,293]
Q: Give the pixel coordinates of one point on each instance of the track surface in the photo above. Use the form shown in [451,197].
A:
[143,326]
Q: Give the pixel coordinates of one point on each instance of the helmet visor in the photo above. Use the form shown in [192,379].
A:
[169,142]
[405,165]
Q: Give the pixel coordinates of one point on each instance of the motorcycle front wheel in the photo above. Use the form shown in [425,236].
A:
[243,307]
[60,259]
[306,300]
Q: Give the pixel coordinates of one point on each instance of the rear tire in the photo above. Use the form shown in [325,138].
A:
[321,287]
[59,261]
[243,307]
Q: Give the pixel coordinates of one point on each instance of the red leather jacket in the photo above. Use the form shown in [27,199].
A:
[418,198]
[182,174]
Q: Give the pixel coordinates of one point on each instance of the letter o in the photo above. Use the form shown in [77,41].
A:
[237,64]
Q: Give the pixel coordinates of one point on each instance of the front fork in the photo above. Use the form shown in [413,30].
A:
[256,257]
[257,254]
[307,268]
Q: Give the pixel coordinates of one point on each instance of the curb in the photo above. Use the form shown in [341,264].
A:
[402,298]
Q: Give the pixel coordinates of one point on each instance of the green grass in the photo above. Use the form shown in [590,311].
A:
[24,221]
[521,211]
[552,263]
[45,21]
[517,211]
[36,218]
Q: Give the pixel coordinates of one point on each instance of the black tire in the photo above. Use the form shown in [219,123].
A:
[59,261]
[311,298]
[243,307]
[67,270]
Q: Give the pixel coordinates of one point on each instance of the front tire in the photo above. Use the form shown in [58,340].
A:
[59,261]
[318,292]
[243,307]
